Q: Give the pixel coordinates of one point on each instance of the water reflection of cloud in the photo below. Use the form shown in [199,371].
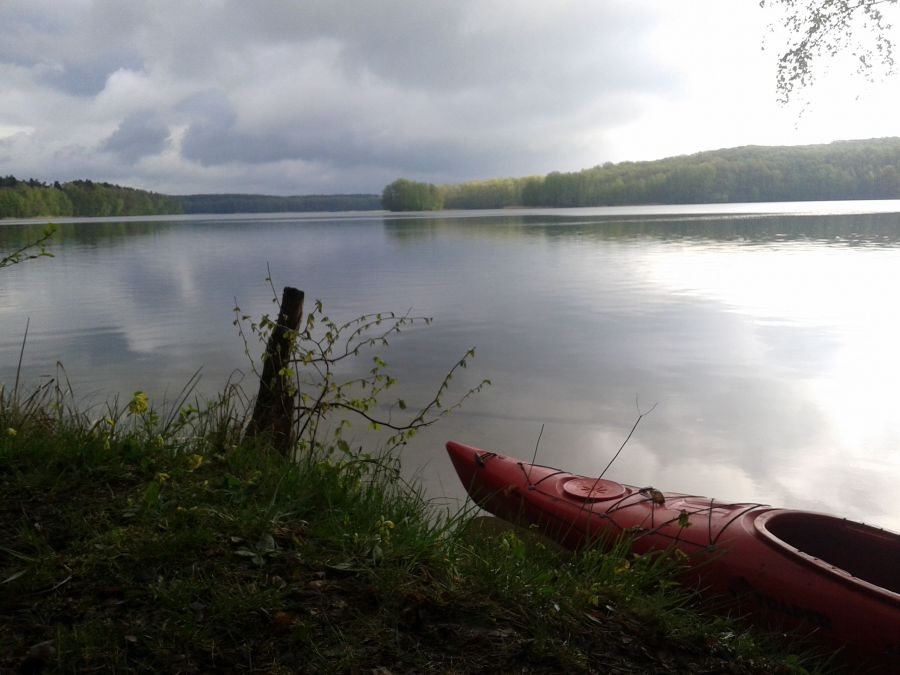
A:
[819,317]
[757,397]
[733,385]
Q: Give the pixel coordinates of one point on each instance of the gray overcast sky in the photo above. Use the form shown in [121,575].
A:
[307,96]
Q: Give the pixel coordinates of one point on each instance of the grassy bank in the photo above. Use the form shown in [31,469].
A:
[137,542]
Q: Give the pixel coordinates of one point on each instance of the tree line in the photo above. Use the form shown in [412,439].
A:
[407,195]
[32,198]
[867,169]
[247,203]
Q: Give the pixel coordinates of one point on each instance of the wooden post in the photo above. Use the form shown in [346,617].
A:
[273,414]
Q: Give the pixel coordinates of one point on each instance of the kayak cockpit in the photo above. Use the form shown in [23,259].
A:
[867,553]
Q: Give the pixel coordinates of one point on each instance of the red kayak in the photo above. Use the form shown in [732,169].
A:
[819,575]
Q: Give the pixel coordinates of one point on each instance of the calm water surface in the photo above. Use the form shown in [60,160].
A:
[765,335]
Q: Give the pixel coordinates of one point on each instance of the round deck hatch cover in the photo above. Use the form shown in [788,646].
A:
[593,489]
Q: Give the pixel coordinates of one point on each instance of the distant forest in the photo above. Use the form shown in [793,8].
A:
[241,203]
[868,169]
[32,198]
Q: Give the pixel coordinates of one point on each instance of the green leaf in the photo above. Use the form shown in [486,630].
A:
[151,494]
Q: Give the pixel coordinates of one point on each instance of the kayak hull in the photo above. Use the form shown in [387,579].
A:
[829,578]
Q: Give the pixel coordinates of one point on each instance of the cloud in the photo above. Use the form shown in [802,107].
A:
[139,135]
[341,95]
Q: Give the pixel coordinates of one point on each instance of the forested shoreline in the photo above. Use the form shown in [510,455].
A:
[863,169]
[249,203]
[33,199]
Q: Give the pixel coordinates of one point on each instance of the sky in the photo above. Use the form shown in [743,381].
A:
[339,96]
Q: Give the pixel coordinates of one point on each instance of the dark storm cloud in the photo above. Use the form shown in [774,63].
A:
[139,135]
[87,79]
[213,137]
[441,46]
[78,81]
[343,91]
[63,48]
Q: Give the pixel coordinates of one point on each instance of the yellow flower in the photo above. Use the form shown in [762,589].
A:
[139,404]
[384,528]
[162,477]
[11,432]
[194,462]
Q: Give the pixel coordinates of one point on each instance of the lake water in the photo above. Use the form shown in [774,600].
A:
[766,336]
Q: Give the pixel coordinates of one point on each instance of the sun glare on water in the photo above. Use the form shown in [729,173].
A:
[841,307]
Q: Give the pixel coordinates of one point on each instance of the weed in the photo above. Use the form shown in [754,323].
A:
[145,540]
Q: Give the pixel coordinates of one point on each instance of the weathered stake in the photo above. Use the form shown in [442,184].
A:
[273,414]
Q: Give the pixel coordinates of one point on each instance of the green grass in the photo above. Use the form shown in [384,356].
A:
[133,544]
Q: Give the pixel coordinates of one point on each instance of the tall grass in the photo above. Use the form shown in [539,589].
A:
[158,541]
[137,539]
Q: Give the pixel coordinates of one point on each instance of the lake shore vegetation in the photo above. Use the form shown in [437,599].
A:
[407,195]
[250,203]
[84,198]
[863,169]
[842,170]
[32,198]
[146,540]
[138,538]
